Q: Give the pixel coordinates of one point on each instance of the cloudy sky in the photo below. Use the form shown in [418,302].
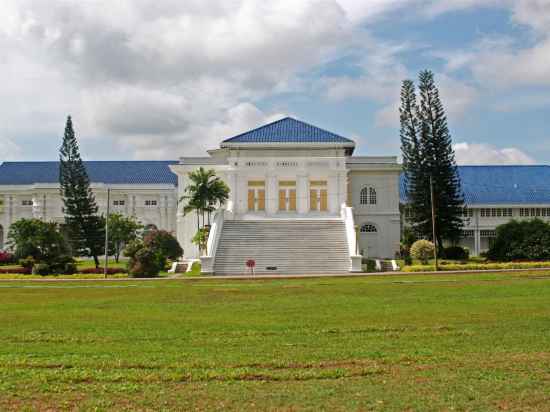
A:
[158,79]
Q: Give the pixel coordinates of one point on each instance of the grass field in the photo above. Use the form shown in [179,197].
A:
[467,342]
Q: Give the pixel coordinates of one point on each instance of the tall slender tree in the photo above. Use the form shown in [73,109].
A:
[85,229]
[428,154]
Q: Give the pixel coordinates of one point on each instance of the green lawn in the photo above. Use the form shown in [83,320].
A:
[466,342]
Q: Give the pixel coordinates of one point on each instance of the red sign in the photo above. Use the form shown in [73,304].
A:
[250,263]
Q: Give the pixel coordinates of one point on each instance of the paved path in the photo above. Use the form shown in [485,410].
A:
[260,277]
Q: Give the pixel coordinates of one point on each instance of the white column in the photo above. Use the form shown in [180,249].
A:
[342,189]
[233,192]
[333,191]
[271,193]
[477,242]
[302,193]
[242,193]
[37,207]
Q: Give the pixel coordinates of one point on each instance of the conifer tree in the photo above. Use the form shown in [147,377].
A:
[84,227]
[427,152]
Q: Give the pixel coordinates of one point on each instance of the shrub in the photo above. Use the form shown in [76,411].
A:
[407,260]
[6,258]
[63,265]
[69,269]
[37,239]
[146,262]
[201,239]
[100,270]
[163,242]
[42,269]
[422,250]
[369,265]
[478,266]
[456,253]
[408,237]
[18,271]
[515,240]
[27,263]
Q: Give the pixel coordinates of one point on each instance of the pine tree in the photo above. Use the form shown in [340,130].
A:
[84,227]
[427,152]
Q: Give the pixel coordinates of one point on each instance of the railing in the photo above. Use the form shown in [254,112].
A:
[355,258]
[347,217]
[207,261]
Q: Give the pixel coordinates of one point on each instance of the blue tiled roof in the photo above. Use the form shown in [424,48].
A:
[288,130]
[502,184]
[110,172]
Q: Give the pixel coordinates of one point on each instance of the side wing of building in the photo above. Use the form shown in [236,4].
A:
[373,192]
[495,195]
[143,189]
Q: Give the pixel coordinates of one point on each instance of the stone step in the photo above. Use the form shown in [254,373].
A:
[292,246]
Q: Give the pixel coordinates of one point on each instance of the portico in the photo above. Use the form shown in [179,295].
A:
[284,170]
[282,188]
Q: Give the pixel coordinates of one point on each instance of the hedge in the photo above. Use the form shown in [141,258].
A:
[86,271]
[15,270]
[478,266]
[100,270]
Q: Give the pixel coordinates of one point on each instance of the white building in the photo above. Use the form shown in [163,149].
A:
[144,189]
[497,194]
[297,196]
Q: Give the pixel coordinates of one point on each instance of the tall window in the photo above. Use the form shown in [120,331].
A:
[372,195]
[367,196]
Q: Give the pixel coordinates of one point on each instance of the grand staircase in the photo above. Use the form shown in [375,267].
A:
[282,247]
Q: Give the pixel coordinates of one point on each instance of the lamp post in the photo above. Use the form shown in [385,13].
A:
[107,233]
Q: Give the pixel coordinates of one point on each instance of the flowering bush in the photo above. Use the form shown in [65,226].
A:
[6,257]
[16,270]
[422,250]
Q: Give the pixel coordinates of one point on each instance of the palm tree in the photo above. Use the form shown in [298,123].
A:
[205,192]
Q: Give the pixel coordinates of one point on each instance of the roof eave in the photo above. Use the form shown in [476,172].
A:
[287,145]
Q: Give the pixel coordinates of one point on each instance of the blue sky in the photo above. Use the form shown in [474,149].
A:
[161,79]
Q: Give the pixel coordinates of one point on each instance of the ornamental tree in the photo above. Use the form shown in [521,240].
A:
[122,230]
[85,229]
[427,151]
[164,242]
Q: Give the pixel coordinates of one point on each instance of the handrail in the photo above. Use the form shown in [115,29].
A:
[215,232]
[347,216]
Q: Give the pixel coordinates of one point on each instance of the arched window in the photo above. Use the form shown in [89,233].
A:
[372,195]
[367,196]
[364,196]
[368,228]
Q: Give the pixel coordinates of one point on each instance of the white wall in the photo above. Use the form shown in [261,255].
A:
[47,204]
[384,215]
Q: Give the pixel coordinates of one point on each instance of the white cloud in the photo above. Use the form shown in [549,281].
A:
[164,77]
[482,153]
[9,150]
[381,77]
[457,98]
[158,75]
[497,61]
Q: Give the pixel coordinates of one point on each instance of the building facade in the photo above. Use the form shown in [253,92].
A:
[145,190]
[287,174]
[495,195]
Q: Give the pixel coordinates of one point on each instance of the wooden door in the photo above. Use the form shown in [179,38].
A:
[251,200]
[261,200]
[292,200]
[324,200]
[282,200]
[313,199]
